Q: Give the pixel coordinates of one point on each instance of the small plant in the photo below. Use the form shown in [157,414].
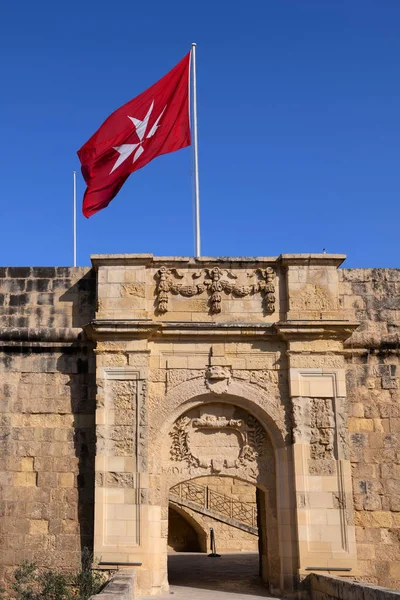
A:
[53,586]
[26,585]
[3,593]
[32,583]
[87,582]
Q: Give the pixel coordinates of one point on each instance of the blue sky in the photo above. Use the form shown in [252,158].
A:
[299,127]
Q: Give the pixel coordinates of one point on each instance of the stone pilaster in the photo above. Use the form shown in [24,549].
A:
[324,503]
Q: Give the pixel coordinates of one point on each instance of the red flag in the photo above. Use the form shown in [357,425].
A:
[153,123]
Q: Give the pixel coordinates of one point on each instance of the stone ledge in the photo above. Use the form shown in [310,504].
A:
[148,260]
[334,260]
[44,334]
[337,588]
[104,329]
[120,587]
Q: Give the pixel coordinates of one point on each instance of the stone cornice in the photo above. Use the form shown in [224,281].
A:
[149,260]
[147,328]
[339,330]
[100,329]
[301,260]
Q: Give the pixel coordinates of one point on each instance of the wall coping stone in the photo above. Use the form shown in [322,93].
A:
[120,587]
[347,589]
[108,260]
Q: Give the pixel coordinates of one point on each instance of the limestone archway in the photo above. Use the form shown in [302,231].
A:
[185,533]
[233,435]
[226,505]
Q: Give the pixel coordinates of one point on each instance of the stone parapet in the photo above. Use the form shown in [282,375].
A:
[120,587]
[36,300]
[248,289]
[327,587]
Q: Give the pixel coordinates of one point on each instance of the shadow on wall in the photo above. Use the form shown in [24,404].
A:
[78,362]
[182,536]
[82,296]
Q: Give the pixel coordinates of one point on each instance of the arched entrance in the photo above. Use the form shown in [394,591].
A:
[185,532]
[214,435]
[224,504]
[258,339]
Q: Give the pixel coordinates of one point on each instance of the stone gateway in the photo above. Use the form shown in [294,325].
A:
[125,381]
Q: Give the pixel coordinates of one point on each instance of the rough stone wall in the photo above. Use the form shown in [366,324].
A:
[47,398]
[372,297]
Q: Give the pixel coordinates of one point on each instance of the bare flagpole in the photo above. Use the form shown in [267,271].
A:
[195,157]
[74,201]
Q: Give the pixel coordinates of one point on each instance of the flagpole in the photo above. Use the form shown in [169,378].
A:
[195,157]
[74,202]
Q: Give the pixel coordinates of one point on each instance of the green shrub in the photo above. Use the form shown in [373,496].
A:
[32,583]
[86,581]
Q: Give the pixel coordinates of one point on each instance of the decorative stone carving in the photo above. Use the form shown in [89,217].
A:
[241,441]
[217,373]
[322,440]
[217,379]
[164,286]
[255,434]
[313,297]
[215,285]
[301,418]
[175,377]
[180,445]
[342,428]
[214,422]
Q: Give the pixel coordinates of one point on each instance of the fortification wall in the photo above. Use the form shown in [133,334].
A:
[48,396]
[372,297]
[47,402]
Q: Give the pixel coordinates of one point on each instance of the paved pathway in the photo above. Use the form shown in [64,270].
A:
[195,576]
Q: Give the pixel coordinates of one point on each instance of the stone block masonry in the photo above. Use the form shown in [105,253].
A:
[120,587]
[372,297]
[47,404]
[324,587]
[122,381]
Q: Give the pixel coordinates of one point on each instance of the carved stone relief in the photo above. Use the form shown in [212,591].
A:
[217,379]
[259,281]
[301,417]
[322,442]
[175,377]
[312,297]
[314,424]
[217,438]
[342,428]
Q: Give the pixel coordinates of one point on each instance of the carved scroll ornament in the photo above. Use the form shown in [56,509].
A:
[251,434]
[215,285]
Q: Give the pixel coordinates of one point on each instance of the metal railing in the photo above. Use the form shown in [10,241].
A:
[209,499]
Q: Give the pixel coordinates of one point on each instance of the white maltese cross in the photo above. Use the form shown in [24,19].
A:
[125,150]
